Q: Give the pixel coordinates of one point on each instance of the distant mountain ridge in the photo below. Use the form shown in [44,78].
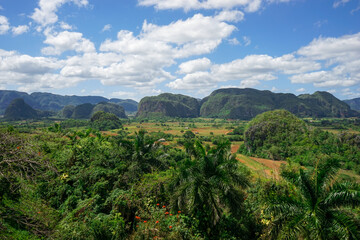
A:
[354,103]
[54,102]
[233,103]
[236,103]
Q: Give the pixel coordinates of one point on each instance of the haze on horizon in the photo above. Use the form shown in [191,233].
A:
[132,49]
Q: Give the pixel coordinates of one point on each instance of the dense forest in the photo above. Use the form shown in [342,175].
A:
[76,179]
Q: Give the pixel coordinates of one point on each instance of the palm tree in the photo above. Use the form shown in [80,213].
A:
[321,208]
[209,183]
[147,155]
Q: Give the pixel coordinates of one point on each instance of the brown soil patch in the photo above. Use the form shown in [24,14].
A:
[234,148]
[274,165]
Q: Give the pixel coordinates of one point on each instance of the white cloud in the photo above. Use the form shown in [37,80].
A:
[274,89]
[194,81]
[300,90]
[247,40]
[340,2]
[66,41]
[1,8]
[248,5]
[344,47]
[66,26]
[230,16]
[4,25]
[341,61]
[181,39]
[45,14]
[19,30]
[234,41]
[196,65]
[250,71]
[107,27]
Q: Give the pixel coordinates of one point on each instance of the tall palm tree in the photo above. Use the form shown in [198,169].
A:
[209,183]
[321,208]
[147,155]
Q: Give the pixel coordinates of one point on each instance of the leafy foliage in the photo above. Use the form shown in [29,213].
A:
[317,207]
[209,185]
[104,121]
[273,134]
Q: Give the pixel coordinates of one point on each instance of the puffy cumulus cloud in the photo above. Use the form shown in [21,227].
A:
[197,80]
[19,30]
[248,5]
[25,64]
[325,62]
[31,73]
[45,14]
[66,41]
[196,65]
[230,16]
[4,25]
[341,61]
[145,56]
[339,49]
[199,27]
[323,79]
[249,71]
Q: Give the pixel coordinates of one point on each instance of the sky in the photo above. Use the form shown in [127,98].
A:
[129,49]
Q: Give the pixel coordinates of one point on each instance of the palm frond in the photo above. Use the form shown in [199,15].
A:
[342,195]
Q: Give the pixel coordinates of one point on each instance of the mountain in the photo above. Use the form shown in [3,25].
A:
[109,107]
[169,105]
[353,103]
[87,110]
[324,104]
[54,102]
[128,104]
[235,103]
[19,110]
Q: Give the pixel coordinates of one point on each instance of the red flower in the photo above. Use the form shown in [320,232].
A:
[179,211]
[167,213]
[170,226]
[164,206]
[18,147]
[157,204]
[157,222]
[137,225]
[137,217]
[145,221]
[170,214]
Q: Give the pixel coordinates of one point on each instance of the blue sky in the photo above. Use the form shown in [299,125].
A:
[136,48]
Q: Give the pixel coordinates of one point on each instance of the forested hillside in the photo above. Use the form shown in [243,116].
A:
[168,105]
[246,103]
[354,103]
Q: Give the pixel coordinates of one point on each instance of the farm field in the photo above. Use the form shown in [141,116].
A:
[264,168]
